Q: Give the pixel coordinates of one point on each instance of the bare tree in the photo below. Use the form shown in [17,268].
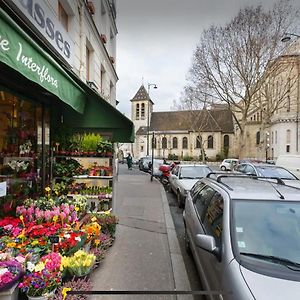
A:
[231,61]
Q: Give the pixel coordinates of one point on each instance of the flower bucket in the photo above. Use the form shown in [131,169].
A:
[42,297]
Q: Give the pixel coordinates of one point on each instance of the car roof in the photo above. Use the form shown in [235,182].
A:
[193,165]
[245,187]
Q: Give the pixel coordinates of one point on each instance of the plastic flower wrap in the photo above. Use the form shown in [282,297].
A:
[10,272]
[42,275]
[79,264]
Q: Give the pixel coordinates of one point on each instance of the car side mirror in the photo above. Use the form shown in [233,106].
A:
[208,243]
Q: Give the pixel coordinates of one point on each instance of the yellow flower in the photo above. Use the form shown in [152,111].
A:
[35,242]
[11,245]
[97,242]
[39,267]
[64,292]
[55,218]
[93,219]
[47,189]
[77,208]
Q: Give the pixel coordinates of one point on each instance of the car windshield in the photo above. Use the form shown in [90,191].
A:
[194,172]
[274,172]
[267,229]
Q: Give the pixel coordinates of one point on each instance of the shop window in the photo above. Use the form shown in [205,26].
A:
[164,143]
[21,143]
[184,143]
[210,142]
[175,143]
[63,16]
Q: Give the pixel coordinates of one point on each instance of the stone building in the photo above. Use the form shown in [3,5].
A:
[182,134]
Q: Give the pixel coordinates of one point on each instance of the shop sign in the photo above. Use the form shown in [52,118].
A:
[19,52]
[3,189]
[44,20]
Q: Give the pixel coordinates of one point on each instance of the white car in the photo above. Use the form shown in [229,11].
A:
[183,177]
[228,164]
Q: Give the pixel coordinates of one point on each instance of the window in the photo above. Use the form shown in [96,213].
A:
[226,141]
[257,137]
[137,111]
[87,63]
[276,137]
[202,199]
[184,143]
[198,142]
[154,143]
[288,136]
[142,148]
[143,111]
[213,221]
[62,16]
[102,79]
[288,148]
[175,143]
[210,142]
[164,142]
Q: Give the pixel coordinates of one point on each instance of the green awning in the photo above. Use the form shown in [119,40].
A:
[20,52]
[99,116]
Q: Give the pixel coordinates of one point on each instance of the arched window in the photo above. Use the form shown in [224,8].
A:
[257,138]
[137,111]
[164,143]
[226,141]
[184,143]
[175,143]
[210,142]
[198,141]
[154,143]
[143,111]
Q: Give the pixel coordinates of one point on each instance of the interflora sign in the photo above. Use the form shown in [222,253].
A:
[43,19]
[19,52]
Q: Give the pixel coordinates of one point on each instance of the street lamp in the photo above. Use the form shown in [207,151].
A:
[148,114]
[287,37]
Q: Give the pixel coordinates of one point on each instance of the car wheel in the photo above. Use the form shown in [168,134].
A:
[187,241]
[223,168]
[179,200]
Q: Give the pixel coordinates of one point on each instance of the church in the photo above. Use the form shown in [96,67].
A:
[183,135]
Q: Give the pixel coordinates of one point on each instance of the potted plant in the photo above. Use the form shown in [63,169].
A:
[42,277]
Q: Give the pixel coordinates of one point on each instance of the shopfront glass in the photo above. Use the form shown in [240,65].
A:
[24,137]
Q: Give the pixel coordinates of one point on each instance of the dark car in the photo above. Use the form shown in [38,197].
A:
[144,163]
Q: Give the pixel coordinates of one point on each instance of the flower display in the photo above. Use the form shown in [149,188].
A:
[10,272]
[71,241]
[42,276]
[80,263]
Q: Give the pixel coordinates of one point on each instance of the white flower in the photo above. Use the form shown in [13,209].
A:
[67,235]
[78,238]
[30,266]
[3,271]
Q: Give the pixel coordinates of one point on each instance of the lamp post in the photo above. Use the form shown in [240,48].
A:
[287,37]
[148,114]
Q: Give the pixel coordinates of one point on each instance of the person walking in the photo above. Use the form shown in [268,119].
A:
[129,161]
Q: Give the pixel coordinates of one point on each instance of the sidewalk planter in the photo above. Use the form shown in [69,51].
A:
[10,294]
[43,297]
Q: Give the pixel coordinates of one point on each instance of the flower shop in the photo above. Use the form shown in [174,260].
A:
[56,172]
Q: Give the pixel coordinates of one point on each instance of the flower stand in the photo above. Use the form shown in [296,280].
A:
[10,294]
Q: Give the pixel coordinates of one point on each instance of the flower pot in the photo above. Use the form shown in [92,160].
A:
[10,293]
[42,297]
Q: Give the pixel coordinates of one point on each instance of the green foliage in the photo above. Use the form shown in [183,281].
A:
[172,157]
[90,141]
[104,146]
[67,168]
[187,158]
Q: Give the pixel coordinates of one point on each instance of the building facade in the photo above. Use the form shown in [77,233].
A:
[180,134]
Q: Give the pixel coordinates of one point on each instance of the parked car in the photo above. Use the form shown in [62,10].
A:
[228,164]
[244,235]
[290,162]
[144,163]
[183,177]
[268,170]
[156,165]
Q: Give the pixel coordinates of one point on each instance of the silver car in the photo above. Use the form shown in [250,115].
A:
[244,234]
[183,177]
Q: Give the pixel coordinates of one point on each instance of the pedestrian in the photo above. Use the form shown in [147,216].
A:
[129,161]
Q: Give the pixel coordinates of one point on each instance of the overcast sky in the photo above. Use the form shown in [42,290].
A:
[156,41]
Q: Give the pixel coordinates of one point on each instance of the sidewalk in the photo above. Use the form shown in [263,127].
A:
[145,255]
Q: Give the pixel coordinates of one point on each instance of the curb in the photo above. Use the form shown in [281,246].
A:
[181,280]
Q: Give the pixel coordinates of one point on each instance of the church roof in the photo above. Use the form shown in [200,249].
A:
[141,95]
[204,120]
[142,130]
